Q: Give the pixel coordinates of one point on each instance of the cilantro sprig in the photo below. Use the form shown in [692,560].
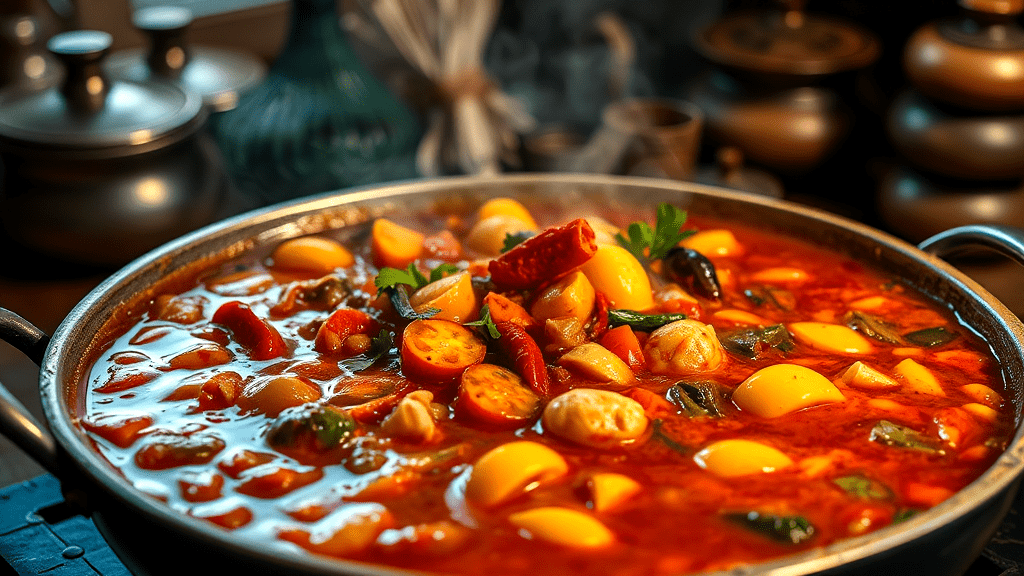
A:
[396,283]
[647,244]
[486,322]
[391,277]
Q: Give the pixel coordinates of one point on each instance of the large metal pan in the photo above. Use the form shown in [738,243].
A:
[153,539]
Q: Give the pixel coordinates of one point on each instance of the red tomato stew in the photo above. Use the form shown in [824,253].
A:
[474,393]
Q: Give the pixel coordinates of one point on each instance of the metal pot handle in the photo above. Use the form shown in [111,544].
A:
[16,423]
[1007,240]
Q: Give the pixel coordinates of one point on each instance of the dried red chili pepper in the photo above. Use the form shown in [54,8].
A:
[526,355]
[261,339]
[600,325]
[544,258]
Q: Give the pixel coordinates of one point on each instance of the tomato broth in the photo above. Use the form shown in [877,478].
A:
[562,406]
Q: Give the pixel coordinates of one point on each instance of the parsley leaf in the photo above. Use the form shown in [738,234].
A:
[645,243]
[381,345]
[513,240]
[388,278]
[441,271]
[486,322]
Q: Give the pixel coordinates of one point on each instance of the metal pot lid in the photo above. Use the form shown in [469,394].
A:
[87,111]
[789,41]
[220,76]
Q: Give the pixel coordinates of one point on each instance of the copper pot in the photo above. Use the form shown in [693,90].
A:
[99,172]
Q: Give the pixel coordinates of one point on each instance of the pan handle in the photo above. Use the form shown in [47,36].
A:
[16,423]
[1006,240]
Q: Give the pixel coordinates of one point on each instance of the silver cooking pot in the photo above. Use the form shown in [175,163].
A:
[942,541]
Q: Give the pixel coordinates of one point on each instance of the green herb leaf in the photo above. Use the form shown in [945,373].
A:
[904,515]
[754,343]
[513,240]
[441,271]
[790,529]
[318,428]
[399,297]
[872,327]
[486,322]
[864,487]
[698,398]
[657,434]
[647,244]
[388,278]
[891,434]
[931,337]
[381,345]
[782,299]
[640,321]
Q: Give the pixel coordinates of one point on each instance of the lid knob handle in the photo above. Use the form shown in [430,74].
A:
[165,26]
[85,86]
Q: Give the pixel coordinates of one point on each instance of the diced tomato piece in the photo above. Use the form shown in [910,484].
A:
[443,246]
[276,482]
[622,342]
[655,406]
[243,460]
[220,391]
[254,333]
[341,324]
[173,450]
[504,310]
[119,429]
[200,486]
[234,518]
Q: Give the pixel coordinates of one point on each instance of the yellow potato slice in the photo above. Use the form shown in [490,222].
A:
[783,388]
[452,295]
[714,243]
[511,469]
[608,490]
[780,275]
[917,378]
[740,317]
[615,272]
[737,457]
[488,235]
[311,254]
[869,303]
[983,395]
[833,338]
[981,411]
[573,295]
[860,375]
[563,526]
[595,362]
[505,207]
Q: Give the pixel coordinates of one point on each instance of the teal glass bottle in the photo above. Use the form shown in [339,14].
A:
[319,121]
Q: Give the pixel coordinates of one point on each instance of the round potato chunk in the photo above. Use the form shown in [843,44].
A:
[738,457]
[563,526]
[595,418]
[452,295]
[312,254]
[511,469]
[684,348]
[783,388]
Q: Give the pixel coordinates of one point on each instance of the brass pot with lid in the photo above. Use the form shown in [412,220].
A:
[767,93]
[975,60]
[99,172]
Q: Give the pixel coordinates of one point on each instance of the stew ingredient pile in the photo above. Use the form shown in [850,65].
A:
[474,393]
